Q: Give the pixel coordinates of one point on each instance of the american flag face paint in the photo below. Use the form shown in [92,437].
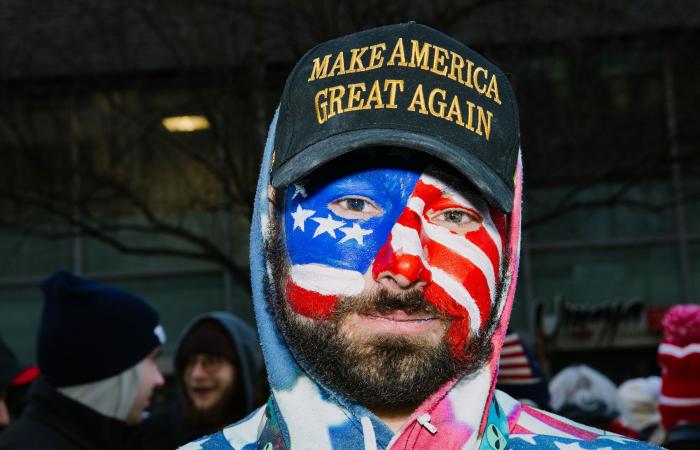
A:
[399,222]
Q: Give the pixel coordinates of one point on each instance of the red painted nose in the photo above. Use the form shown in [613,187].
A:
[403,269]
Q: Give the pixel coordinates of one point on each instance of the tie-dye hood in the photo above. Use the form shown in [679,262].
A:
[311,416]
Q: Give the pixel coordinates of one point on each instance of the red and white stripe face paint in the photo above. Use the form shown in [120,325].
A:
[452,244]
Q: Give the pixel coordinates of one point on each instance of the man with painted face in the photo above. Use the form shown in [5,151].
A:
[384,253]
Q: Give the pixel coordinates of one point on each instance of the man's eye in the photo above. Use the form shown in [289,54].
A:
[355,208]
[456,217]
[457,220]
[355,204]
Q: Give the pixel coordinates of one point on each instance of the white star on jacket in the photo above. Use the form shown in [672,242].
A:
[572,446]
[617,439]
[356,232]
[300,216]
[529,438]
[575,446]
[327,225]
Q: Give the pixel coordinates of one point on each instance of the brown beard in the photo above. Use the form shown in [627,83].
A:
[228,409]
[378,372]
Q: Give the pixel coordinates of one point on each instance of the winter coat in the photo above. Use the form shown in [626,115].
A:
[171,429]
[467,413]
[52,421]
[9,366]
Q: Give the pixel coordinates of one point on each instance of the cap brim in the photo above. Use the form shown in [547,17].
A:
[492,187]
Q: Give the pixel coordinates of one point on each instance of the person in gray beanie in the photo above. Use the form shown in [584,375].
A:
[96,353]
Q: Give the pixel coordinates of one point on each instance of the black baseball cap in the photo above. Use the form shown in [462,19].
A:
[407,86]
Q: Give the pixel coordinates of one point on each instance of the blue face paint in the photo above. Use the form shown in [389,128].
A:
[316,235]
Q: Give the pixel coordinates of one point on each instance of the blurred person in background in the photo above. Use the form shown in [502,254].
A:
[585,395]
[96,353]
[15,379]
[9,367]
[638,404]
[218,369]
[679,357]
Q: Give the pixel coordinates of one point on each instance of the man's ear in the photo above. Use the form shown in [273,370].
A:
[275,204]
[271,213]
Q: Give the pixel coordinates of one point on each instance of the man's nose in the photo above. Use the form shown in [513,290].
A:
[4,413]
[159,380]
[399,262]
[198,369]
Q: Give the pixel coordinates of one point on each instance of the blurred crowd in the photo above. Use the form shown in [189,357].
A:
[662,410]
[96,374]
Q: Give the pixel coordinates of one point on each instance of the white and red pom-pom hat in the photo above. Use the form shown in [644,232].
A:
[679,357]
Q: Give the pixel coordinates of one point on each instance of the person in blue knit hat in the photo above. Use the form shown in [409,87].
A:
[96,353]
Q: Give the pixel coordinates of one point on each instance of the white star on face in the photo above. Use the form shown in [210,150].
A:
[300,216]
[572,446]
[328,225]
[529,438]
[299,189]
[356,232]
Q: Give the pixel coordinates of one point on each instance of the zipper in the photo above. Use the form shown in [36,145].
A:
[424,421]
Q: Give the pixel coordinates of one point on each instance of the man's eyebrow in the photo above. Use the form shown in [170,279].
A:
[456,185]
[453,183]
[465,190]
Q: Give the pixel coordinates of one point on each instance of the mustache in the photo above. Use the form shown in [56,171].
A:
[382,301]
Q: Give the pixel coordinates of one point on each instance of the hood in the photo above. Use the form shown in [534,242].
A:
[112,397]
[310,415]
[247,346]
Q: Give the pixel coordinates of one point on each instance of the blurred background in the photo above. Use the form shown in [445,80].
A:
[131,133]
